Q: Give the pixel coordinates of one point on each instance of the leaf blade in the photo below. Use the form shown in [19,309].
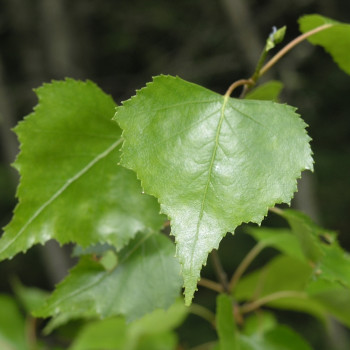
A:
[191,149]
[71,188]
[335,40]
[146,277]
[226,327]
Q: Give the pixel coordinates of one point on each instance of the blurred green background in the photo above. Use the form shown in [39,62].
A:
[121,44]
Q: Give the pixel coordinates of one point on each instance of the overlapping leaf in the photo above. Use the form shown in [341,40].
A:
[71,187]
[335,40]
[146,277]
[269,91]
[212,161]
[320,247]
[280,239]
[225,323]
[261,334]
[280,337]
[154,330]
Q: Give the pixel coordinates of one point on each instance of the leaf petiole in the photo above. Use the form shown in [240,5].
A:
[249,83]
[245,264]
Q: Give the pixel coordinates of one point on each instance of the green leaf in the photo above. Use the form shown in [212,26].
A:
[335,40]
[160,320]
[275,38]
[320,247]
[147,277]
[307,232]
[12,325]
[225,323]
[212,161]
[279,338]
[153,331]
[71,187]
[269,91]
[335,264]
[333,297]
[105,334]
[285,277]
[30,297]
[280,239]
[259,322]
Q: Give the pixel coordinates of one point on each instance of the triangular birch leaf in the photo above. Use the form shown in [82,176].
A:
[71,187]
[213,162]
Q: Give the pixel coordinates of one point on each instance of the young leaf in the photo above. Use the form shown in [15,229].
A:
[104,334]
[281,337]
[259,322]
[269,91]
[225,323]
[335,40]
[275,38]
[280,239]
[333,297]
[307,233]
[153,330]
[212,161]
[71,187]
[320,247]
[335,264]
[146,277]
[285,277]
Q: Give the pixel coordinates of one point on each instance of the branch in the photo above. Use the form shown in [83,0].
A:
[203,312]
[290,46]
[220,273]
[242,267]
[211,285]
[238,83]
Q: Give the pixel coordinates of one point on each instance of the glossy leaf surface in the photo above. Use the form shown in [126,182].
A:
[71,188]
[146,277]
[335,40]
[212,161]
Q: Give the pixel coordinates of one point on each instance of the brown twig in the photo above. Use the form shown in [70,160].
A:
[217,287]
[244,264]
[220,273]
[291,45]
[236,84]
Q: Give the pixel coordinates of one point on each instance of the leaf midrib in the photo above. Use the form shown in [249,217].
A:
[61,190]
[217,136]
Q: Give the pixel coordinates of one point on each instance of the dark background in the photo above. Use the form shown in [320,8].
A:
[120,45]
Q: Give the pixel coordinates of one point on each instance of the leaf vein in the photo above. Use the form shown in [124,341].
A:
[61,190]
[217,135]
